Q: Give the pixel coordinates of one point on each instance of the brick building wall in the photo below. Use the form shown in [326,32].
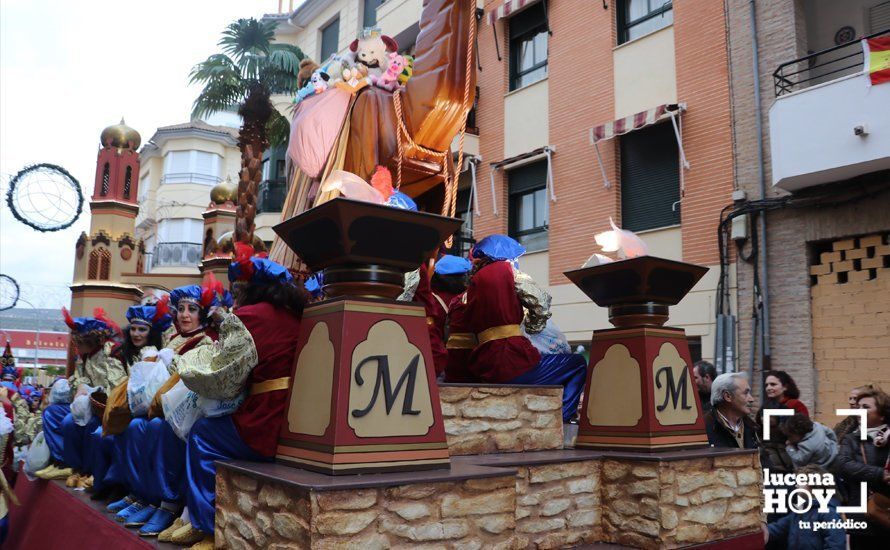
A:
[851,320]
[791,233]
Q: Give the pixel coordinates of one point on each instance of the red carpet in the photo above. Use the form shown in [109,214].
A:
[52,517]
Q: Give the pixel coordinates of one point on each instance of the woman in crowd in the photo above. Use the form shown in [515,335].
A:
[867,461]
[851,423]
[95,366]
[146,329]
[779,387]
[154,456]
[256,353]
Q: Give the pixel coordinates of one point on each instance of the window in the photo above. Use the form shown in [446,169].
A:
[650,178]
[369,13]
[144,185]
[180,230]
[105,179]
[638,18]
[128,181]
[280,169]
[100,264]
[528,46]
[191,167]
[528,205]
[266,163]
[330,39]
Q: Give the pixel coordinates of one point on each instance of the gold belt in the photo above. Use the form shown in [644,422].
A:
[499,333]
[270,385]
[461,340]
[430,320]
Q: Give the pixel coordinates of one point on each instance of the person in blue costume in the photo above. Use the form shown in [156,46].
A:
[95,367]
[147,326]
[257,351]
[155,456]
[556,365]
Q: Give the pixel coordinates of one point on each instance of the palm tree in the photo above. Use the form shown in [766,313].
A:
[251,68]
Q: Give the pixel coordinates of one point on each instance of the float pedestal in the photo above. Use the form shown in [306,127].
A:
[640,393]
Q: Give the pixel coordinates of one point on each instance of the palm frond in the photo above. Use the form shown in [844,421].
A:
[247,36]
[217,96]
[277,129]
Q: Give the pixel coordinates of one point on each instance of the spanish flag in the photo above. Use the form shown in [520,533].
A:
[877,59]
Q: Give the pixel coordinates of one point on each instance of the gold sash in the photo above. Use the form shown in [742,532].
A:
[498,333]
[461,340]
[270,385]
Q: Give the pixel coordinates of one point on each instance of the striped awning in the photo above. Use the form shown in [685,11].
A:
[507,8]
[630,123]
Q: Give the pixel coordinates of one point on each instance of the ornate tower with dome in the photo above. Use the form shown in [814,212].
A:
[110,249]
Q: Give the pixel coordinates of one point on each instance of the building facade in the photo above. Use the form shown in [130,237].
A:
[824,147]
[585,111]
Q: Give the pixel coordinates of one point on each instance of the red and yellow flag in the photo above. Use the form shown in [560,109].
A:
[877,59]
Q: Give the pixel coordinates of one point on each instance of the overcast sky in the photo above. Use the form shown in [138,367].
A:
[68,70]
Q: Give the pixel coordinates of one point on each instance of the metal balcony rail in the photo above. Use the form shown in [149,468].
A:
[190,177]
[271,196]
[823,66]
[176,255]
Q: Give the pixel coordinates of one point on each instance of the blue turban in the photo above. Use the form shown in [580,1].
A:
[401,200]
[188,293]
[452,265]
[498,247]
[262,271]
[313,285]
[146,315]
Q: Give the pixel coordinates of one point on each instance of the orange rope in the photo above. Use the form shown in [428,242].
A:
[449,205]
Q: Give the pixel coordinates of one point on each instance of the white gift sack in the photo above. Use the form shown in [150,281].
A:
[81,410]
[37,457]
[211,408]
[181,409]
[146,378]
[60,392]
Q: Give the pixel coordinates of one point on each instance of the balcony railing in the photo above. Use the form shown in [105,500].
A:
[175,255]
[823,66]
[271,196]
[190,177]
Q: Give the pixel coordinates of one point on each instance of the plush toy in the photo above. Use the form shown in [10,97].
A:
[319,81]
[307,68]
[408,71]
[390,79]
[371,49]
[354,78]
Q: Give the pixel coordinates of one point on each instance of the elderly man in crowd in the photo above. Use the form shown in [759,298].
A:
[728,423]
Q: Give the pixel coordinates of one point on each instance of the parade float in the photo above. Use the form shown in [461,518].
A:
[373,452]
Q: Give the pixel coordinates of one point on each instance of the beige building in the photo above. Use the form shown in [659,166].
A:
[181,164]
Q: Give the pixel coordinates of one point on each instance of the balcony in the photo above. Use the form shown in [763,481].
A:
[190,177]
[271,196]
[174,255]
[827,124]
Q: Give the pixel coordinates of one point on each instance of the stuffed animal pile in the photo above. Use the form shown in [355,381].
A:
[372,60]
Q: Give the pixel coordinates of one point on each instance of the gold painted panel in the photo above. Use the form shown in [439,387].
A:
[615,392]
[309,411]
[389,391]
[674,400]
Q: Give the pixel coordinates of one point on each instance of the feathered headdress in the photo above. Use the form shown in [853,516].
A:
[255,270]
[102,316]
[98,325]
[156,316]
[211,291]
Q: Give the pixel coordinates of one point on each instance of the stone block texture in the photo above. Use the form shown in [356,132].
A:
[482,420]
[680,503]
[471,514]
[851,319]
[641,504]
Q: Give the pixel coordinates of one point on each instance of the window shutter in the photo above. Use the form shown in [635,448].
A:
[330,37]
[650,178]
[527,177]
[879,17]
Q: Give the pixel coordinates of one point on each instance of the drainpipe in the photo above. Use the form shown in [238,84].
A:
[764,272]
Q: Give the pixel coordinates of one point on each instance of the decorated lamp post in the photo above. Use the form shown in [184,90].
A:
[639,393]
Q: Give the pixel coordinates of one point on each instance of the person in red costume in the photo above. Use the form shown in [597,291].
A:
[449,279]
[494,313]
[781,388]
[461,342]
[268,307]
